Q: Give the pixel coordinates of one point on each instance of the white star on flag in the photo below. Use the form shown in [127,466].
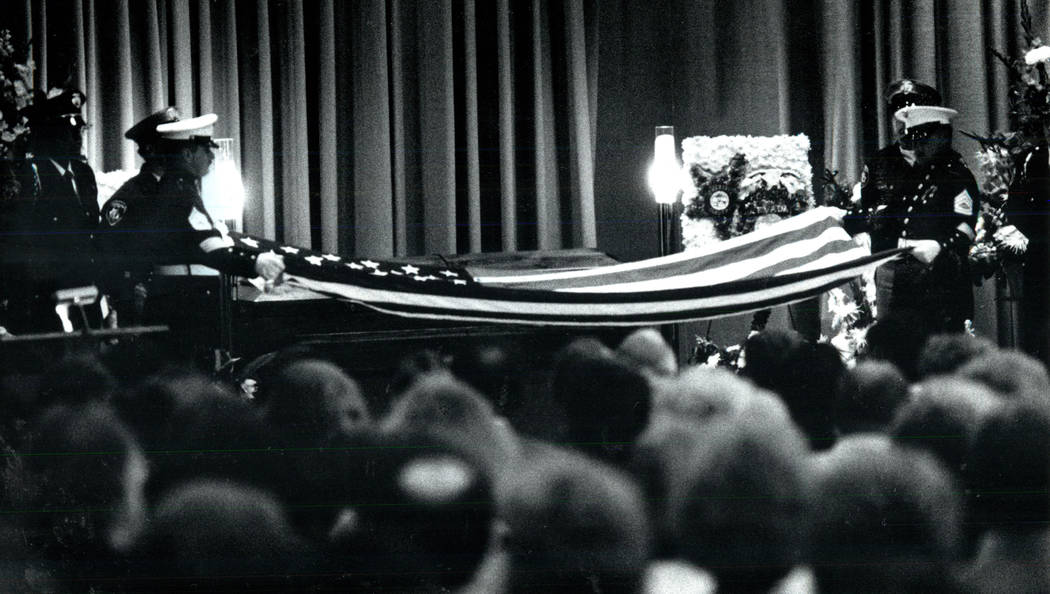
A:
[449,273]
[290,250]
[315,260]
[459,281]
[370,263]
[410,269]
[421,278]
[379,273]
[248,241]
[355,266]
[332,258]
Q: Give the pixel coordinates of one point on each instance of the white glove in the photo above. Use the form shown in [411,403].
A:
[863,240]
[270,266]
[923,250]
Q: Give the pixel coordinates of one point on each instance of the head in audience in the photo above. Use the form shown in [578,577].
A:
[815,373]
[412,367]
[223,536]
[898,338]
[310,400]
[439,408]
[206,431]
[87,474]
[887,519]
[606,401]
[1008,469]
[75,380]
[868,397]
[740,508]
[1013,374]
[683,409]
[493,369]
[942,416]
[946,353]
[421,520]
[647,350]
[575,526]
[767,355]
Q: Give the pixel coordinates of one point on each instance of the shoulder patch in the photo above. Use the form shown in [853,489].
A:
[864,176]
[963,203]
[115,210]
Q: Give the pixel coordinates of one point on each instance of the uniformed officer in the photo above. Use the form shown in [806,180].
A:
[175,228]
[887,168]
[50,225]
[931,208]
[128,274]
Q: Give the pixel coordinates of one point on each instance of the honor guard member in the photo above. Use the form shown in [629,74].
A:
[932,210]
[175,230]
[129,275]
[886,169]
[51,223]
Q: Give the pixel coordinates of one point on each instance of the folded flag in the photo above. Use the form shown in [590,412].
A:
[785,262]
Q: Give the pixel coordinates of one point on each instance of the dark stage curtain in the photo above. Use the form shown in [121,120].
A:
[400,127]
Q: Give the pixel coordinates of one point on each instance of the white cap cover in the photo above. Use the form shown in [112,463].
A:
[917,115]
[199,127]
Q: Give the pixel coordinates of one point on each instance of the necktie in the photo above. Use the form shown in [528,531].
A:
[72,182]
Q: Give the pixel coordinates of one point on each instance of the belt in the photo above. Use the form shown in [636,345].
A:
[184,270]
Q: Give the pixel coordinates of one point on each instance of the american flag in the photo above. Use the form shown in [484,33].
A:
[788,261]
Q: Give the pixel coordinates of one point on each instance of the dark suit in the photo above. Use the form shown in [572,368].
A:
[49,239]
[1028,209]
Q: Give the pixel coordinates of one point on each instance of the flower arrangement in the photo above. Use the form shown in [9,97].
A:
[1001,155]
[1029,83]
[15,95]
[738,183]
[706,352]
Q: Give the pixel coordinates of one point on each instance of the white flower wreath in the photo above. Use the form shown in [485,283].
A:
[780,162]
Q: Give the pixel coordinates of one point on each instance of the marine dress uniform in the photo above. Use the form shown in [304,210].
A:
[936,199]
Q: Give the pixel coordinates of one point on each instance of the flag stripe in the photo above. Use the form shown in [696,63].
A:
[504,305]
[807,226]
[785,262]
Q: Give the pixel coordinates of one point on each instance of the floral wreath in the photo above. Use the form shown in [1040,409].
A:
[736,183]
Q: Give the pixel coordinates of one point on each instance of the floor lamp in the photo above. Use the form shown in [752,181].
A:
[664,182]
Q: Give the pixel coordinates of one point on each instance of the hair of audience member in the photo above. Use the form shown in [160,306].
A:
[222,535]
[684,406]
[440,408]
[647,350]
[899,339]
[1008,469]
[887,519]
[868,397]
[946,353]
[606,402]
[1012,374]
[575,525]
[75,380]
[942,416]
[86,475]
[421,520]
[312,399]
[741,508]
[814,376]
[414,366]
[209,433]
[494,369]
[767,355]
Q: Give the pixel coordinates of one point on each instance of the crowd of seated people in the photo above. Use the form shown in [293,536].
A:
[921,469]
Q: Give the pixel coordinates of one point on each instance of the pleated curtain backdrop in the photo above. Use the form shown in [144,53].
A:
[373,127]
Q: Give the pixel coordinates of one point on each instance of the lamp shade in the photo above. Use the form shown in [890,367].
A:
[664,176]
